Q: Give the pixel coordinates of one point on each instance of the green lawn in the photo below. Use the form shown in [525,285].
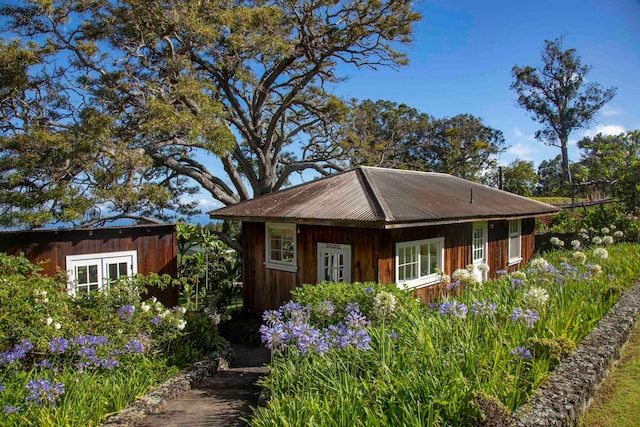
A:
[616,403]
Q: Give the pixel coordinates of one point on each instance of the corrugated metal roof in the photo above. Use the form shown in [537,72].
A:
[368,196]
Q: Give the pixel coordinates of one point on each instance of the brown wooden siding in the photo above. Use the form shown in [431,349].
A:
[154,244]
[372,253]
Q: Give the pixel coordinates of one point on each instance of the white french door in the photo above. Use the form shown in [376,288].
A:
[479,249]
[334,262]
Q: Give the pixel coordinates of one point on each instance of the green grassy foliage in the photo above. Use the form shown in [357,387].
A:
[437,365]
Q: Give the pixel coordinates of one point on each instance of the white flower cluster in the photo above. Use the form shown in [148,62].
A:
[49,321]
[601,253]
[557,242]
[539,263]
[384,304]
[483,267]
[40,296]
[537,296]
[581,257]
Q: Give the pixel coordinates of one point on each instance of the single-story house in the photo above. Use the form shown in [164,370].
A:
[380,225]
[92,256]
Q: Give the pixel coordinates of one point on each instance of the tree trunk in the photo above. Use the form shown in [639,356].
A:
[566,173]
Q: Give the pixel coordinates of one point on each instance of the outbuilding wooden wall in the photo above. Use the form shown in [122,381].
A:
[372,253]
[155,245]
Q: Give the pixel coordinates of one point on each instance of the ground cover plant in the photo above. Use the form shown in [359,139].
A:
[73,361]
[370,355]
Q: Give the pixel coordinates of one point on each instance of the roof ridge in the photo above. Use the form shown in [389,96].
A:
[373,194]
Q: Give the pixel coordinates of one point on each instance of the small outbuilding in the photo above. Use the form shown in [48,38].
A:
[93,256]
[380,225]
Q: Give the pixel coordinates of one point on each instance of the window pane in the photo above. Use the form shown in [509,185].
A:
[113,271]
[122,269]
[514,247]
[408,262]
[424,260]
[93,273]
[281,244]
[81,274]
[433,258]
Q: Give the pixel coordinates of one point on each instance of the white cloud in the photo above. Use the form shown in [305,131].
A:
[522,151]
[608,111]
[521,135]
[605,130]
[208,204]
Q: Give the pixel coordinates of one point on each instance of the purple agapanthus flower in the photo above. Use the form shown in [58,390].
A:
[43,391]
[58,345]
[126,312]
[156,320]
[11,409]
[274,337]
[19,351]
[326,308]
[522,352]
[484,307]
[44,364]
[454,309]
[109,363]
[90,340]
[134,347]
[529,317]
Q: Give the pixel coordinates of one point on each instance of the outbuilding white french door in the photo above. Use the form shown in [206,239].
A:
[334,262]
[479,248]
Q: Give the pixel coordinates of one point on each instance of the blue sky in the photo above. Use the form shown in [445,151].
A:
[464,51]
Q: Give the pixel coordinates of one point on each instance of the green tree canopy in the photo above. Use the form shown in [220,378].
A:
[610,167]
[387,134]
[558,95]
[145,94]
[518,177]
[550,182]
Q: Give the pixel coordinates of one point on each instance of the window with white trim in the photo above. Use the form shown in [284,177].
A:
[281,247]
[93,272]
[419,263]
[515,241]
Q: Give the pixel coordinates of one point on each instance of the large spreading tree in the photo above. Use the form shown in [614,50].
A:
[558,95]
[118,107]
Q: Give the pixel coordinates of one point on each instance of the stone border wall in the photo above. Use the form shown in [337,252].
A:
[155,399]
[570,389]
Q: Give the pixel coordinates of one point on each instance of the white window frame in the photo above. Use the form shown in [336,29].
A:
[517,235]
[291,266]
[336,250]
[101,261]
[420,281]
